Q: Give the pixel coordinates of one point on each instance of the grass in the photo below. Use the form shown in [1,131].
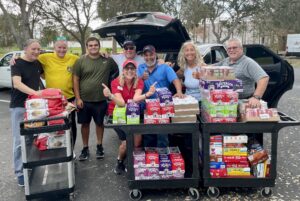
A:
[295,62]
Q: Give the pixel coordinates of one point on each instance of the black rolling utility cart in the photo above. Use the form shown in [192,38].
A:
[135,186]
[49,172]
[265,183]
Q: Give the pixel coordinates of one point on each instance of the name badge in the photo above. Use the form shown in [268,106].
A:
[120,88]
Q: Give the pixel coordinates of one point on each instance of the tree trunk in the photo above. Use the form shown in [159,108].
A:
[114,46]
[204,31]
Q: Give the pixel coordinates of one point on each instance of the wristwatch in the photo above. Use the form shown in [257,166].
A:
[257,97]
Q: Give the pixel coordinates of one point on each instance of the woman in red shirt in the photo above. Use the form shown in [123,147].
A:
[126,86]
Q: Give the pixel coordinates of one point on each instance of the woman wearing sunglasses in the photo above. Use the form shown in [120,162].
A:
[127,86]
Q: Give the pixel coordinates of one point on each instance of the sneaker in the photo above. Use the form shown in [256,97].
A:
[21,180]
[99,152]
[85,153]
[120,167]
[74,156]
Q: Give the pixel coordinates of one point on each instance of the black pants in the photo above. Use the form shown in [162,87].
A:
[73,123]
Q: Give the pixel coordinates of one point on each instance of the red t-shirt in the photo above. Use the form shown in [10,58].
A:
[124,91]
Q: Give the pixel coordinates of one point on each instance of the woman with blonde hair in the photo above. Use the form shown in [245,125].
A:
[126,86]
[190,62]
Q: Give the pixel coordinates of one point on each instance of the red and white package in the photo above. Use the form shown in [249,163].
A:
[151,157]
[235,159]
[237,165]
[153,108]
[178,165]
[218,172]
[167,111]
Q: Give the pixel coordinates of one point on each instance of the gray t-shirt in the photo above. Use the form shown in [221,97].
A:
[247,70]
[120,59]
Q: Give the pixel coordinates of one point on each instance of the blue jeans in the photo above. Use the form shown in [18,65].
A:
[156,140]
[17,115]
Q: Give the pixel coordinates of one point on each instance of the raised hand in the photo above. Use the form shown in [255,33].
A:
[152,89]
[106,91]
[145,75]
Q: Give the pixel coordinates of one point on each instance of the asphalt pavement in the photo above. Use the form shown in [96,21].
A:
[95,179]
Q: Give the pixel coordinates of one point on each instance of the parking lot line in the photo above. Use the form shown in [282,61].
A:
[5,101]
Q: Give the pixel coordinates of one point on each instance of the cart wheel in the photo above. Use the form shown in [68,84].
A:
[71,196]
[135,194]
[194,193]
[213,192]
[266,192]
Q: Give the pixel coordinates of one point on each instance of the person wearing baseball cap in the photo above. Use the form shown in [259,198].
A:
[126,87]
[151,72]
[129,52]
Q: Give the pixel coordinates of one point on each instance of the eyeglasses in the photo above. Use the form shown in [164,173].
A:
[129,48]
[232,48]
[130,68]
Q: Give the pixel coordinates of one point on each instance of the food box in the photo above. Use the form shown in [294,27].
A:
[138,158]
[167,110]
[184,119]
[119,115]
[217,165]
[165,96]
[188,102]
[218,172]
[217,73]
[238,171]
[235,139]
[235,159]
[235,151]
[235,84]
[153,108]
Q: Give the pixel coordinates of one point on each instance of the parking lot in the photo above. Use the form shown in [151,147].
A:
[96,181]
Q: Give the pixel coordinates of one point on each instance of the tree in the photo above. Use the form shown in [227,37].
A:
[48,34]
[227,15]
[193,13]
[6,38]
[24,10]
[72,16]
[278,19]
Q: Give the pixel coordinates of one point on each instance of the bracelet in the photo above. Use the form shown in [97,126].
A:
[146,95]
[256,97]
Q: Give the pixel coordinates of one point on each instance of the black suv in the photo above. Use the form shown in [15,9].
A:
[167,34]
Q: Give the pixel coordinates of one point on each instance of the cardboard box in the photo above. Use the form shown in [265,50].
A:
[184,119]
[185,112]
[235,139]
[186,106]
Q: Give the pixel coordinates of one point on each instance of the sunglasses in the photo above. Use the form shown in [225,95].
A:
[130,68]
[129,48]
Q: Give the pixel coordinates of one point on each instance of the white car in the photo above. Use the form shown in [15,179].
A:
[5,71]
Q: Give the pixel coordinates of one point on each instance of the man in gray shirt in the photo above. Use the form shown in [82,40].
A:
[247,70]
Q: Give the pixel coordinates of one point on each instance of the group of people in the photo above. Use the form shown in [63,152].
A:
[91,79]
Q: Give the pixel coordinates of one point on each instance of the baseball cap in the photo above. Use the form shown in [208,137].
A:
[149,48]
[129,61]
[128,42]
